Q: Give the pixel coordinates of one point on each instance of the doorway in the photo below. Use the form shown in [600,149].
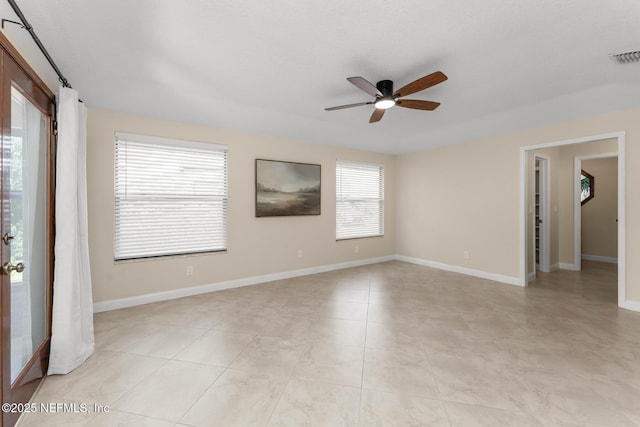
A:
[26,234]
[578,202]
[618,139]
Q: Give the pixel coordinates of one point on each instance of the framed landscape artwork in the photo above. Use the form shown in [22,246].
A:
[287,188]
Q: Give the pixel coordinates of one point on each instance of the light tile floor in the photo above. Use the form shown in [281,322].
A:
[391,344]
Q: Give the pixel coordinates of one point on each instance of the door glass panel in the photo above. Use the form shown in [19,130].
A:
[28,189]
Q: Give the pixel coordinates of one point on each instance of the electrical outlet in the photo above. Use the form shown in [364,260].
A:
[299,253]
[189,270]
[465,254]
[356,249]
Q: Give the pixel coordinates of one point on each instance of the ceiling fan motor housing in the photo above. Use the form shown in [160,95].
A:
[386,87]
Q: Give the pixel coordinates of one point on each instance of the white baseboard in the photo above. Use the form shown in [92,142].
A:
[567,266]
[532,276]
[631,305]
[248,281]
[599,258]
[202,289]
[462,270]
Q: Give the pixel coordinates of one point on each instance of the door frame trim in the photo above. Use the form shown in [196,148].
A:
[620,136]
[15,69]
[22,63]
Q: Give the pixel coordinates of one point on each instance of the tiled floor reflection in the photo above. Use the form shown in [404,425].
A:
[390,344]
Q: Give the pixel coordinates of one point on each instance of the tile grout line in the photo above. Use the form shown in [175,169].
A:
[442,401]
[137,415]
[364,349]
[226,368]
[284,389]
[201,394]
[142,379]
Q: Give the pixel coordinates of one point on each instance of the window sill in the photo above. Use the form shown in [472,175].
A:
[360,237]
[168,257]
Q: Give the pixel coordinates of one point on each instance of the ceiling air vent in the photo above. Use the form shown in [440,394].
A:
[626,57]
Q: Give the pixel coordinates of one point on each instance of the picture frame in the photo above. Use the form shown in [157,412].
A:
[287,188]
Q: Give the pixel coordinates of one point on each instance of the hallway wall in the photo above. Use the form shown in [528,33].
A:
[599,215]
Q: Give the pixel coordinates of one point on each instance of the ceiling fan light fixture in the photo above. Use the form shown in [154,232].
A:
[384,103]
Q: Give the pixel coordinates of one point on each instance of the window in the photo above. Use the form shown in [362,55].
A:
[586,187]
[170,197]
[359,200]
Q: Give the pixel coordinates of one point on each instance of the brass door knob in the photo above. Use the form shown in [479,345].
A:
[7,239]
[7,268]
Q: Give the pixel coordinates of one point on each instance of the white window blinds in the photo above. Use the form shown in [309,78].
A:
[170,197]
[359,200]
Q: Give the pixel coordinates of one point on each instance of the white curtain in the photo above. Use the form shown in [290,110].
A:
[72,340]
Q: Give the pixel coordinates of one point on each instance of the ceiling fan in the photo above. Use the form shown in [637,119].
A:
[386,98]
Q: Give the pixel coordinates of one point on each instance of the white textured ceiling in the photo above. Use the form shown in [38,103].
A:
[272,66]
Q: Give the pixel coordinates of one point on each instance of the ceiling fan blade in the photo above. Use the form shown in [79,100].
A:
[417,105]
[377,115]
[421,84]
[341,107]
[365,85]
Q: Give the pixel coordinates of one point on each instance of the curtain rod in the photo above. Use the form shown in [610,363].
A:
[25,24]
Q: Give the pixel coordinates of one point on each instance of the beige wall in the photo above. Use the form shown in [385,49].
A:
[466,197]
[449,200]
[599,227]
[256,246]
[461,198]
